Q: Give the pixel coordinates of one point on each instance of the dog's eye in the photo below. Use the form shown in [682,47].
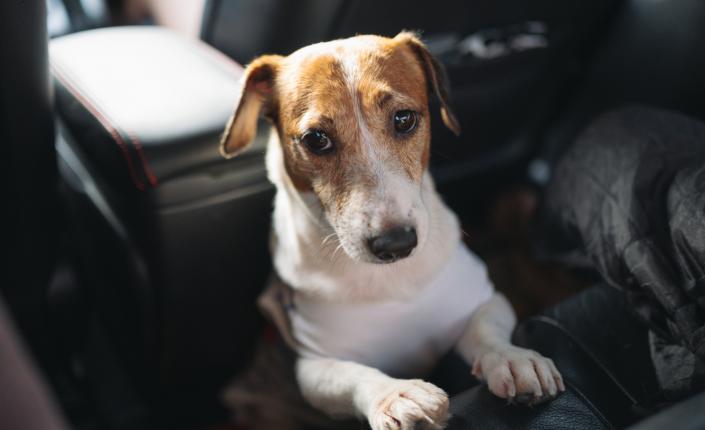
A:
[404,121]
[317,142]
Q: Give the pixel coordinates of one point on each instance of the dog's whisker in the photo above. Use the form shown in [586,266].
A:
[332,256]
[326,239]
[327,294]
[324,250]
[336,252]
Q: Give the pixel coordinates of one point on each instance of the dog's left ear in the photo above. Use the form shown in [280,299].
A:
[435,76]
[256,93]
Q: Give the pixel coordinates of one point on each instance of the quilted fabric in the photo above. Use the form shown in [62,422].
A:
[631,194]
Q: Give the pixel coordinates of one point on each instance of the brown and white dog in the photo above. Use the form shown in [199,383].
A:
[363,240]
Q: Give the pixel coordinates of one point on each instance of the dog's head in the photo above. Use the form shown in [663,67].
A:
[354,126]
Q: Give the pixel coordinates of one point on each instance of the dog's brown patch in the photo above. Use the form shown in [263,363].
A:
[395,81]
[350,89]
[323,93]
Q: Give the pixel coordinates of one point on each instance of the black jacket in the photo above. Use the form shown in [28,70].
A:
[631,194]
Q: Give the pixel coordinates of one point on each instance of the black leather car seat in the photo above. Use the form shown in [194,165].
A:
[651,54]
[173,237]
[602,352]
[28,165]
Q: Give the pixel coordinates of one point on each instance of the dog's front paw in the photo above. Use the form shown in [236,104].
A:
[519,375]
[409,404]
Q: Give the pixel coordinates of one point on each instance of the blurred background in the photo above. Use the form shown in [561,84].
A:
[137,252]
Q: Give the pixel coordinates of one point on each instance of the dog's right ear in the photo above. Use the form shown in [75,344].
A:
[436,77]
[256,91]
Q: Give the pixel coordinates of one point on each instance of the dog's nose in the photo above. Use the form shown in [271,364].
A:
[393,244]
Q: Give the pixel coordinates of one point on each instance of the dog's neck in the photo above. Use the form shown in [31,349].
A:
[307,255]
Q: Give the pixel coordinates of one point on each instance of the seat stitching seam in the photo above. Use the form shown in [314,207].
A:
[102,119]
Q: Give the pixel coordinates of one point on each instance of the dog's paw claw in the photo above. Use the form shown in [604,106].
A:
[519,375]
[410,404]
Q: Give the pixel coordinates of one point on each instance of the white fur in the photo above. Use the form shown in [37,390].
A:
[308,263]
[338,387]
[508,370]
[307,255]
[396,200]
[344,388]
[401,336]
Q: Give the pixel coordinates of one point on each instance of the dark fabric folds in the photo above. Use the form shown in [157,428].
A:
[631,194]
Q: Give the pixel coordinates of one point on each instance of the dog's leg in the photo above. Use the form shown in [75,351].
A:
[350,389]
[513,373]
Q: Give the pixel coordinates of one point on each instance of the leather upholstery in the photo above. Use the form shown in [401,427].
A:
[152,101]
[246,28]
[599,320]
[644,58]
[610,382]
[28,166]
[177,248]
[478,409]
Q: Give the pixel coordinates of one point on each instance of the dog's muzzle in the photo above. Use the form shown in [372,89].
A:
[394,244]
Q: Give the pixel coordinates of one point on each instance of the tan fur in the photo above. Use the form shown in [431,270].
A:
[316,89]
[255,94]
[374,180]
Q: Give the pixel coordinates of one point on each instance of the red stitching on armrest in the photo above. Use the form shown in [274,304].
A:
[114,130]
[110,127]
[145,165]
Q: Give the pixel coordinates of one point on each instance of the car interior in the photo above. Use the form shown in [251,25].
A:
[136,252]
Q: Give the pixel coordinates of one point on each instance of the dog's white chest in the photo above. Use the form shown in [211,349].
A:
[403,337]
